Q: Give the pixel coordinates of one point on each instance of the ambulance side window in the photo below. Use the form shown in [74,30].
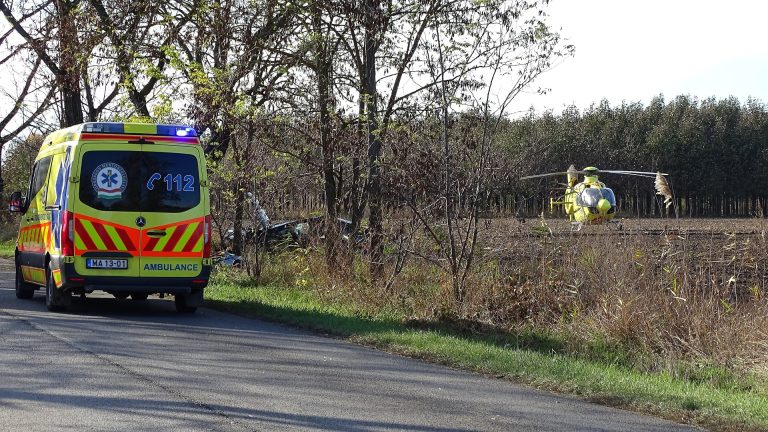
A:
[39,176]
[50,197]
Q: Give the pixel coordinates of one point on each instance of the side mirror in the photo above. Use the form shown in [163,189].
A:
[16,204]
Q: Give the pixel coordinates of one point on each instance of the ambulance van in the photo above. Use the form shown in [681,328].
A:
[117,207]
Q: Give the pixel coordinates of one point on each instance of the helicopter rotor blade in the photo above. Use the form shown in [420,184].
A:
[572,171]
[637,173]
[544,175]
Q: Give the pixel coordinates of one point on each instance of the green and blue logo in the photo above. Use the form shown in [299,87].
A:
[109,181]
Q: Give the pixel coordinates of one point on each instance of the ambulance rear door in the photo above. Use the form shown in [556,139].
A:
[174,208]
[107,207]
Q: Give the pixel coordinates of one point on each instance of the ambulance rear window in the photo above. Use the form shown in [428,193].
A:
[139,181]
[172,183]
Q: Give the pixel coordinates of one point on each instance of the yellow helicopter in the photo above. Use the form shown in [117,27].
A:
[590,201]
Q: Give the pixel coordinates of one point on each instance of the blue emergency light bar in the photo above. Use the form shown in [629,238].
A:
[139,128]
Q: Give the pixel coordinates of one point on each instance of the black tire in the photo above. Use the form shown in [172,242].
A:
[139,296]
[120,295]
[188,303]
[24,290]
[181,306]
[53,297]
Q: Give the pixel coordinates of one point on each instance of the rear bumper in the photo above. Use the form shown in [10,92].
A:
[130,289]
[128,284]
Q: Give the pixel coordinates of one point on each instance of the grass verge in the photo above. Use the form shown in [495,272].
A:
[513,357]
[7,249]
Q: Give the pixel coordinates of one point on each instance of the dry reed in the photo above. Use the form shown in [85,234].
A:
[659,301]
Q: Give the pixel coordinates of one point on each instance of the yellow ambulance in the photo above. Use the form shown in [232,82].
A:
[117,207]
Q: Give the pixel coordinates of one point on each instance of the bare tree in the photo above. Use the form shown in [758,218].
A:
[387,47]
[27,92]
[478,73]
[57,47]
[139,33]
[223,55]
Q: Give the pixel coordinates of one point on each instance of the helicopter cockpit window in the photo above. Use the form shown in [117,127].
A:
[590,196]
[608,194]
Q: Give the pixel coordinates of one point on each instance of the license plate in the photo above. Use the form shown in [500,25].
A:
[106,263]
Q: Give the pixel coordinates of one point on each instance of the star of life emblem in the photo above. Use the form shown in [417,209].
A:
[109,181]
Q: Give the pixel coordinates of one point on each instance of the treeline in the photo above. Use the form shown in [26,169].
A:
[715,151]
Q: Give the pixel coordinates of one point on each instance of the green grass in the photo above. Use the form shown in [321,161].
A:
[528,358]
[7,248]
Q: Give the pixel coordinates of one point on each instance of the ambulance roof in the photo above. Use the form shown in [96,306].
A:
[124,131]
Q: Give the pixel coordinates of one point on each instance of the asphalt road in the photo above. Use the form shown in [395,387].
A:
[121,365]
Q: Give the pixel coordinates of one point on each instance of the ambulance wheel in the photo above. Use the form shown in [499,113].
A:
[55,299]
[139,296]
[188,303]
[24,290]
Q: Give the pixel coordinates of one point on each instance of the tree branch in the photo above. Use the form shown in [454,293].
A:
[34,44]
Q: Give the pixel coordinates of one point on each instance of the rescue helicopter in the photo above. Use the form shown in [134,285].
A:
[590,201]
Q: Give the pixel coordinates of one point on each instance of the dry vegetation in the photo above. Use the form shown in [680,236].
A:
[680,297]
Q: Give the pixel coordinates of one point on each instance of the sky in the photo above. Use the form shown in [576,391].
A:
[634,50]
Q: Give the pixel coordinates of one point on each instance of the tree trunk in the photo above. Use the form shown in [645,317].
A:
[69,78]
[225,138]
[323,70]
[356,200]
[375,201]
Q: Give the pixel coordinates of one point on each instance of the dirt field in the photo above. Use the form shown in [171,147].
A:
[721,254]
[631,226]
